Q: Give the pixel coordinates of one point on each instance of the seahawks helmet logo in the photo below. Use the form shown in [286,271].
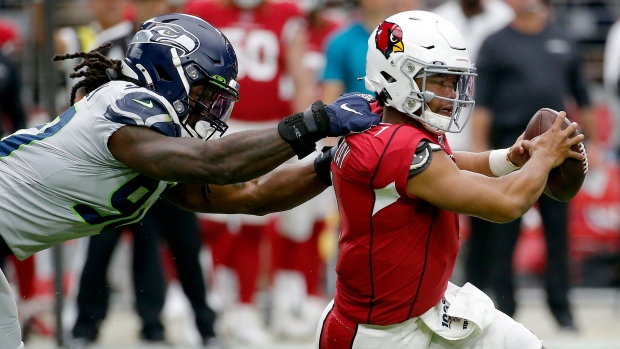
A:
[170,35]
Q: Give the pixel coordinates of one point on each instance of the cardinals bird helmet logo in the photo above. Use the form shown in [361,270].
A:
[389,38]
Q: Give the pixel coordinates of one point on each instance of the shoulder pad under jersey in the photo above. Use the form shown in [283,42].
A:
[142,108]
[422,157]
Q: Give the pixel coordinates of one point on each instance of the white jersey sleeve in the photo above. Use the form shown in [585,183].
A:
[59,181]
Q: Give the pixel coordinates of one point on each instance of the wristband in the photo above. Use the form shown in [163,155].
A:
[302,130]
[500,164]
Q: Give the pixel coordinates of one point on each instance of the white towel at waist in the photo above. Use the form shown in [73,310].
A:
[462,312]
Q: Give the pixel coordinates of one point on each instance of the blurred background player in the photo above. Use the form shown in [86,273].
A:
[298,269]
[12,112]
[109,23]
[611,70]
[510,65]
[270,41]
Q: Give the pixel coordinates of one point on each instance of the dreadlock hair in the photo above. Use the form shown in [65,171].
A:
[99,70]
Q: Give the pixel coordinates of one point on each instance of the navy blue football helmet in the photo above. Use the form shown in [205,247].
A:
[173,52]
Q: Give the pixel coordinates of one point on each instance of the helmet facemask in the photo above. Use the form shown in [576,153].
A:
[214,106]
[416,104]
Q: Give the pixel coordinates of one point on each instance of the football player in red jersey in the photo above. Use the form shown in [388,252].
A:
[399,189]
[270,41]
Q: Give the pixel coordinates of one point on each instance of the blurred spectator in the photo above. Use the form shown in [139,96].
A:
[30,308]
[510,88]
[476,20]
[180,231]
[346,51]
[406,5]
[108,23]
[611,80]
[12,114]
[269,38]
[611,67]
[10,38]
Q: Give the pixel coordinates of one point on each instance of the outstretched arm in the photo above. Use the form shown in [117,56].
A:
[286,187]
[235,158]
[240,156]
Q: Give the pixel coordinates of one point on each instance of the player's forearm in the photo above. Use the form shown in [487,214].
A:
[285,188]
[474,162]
[524,187]
[280,190]
[242,156]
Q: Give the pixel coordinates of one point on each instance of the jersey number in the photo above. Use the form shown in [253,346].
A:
[127,200]
[257,51]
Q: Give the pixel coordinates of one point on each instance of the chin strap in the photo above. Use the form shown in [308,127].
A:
[302,130]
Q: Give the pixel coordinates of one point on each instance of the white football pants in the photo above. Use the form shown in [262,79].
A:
[10,332]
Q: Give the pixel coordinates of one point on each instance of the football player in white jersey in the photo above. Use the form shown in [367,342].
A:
[139,134]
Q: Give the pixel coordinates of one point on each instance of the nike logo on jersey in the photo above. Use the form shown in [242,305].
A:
[344,106]
[148,105]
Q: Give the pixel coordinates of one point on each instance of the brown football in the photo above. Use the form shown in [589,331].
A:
[565,180]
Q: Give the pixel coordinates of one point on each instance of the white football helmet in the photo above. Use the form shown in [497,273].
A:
[417,44]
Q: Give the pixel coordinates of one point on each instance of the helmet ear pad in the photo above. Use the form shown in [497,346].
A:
[156,72]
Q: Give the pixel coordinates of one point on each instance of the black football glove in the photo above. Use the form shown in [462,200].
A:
[322,164]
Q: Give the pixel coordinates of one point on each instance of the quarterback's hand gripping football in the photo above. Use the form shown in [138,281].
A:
[517,155]
[351,113]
